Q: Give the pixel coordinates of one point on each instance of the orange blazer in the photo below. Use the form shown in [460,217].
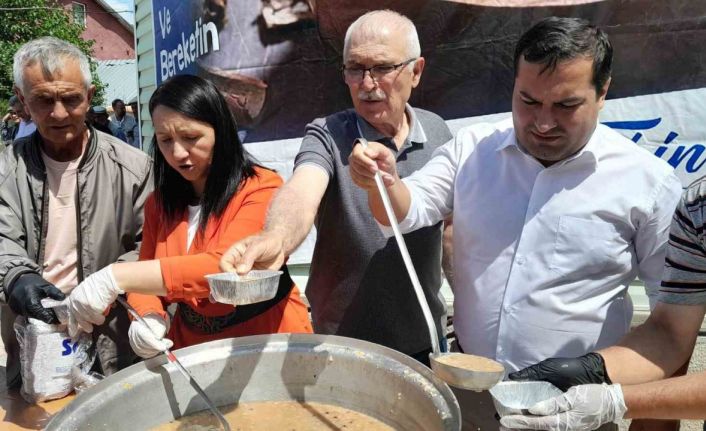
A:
[183,270]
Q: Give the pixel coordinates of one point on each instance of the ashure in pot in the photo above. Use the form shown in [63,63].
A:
[354,374]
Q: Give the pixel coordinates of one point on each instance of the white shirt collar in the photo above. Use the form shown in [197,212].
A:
[590,150]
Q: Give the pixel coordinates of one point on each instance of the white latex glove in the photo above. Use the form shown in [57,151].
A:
[89,300]
[148,340]
[584,407]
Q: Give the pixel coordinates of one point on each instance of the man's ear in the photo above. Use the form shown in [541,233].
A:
[18,93]
[603,93]
[91,93]
[417,71]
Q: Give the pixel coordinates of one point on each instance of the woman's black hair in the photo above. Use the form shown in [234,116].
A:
[199,99]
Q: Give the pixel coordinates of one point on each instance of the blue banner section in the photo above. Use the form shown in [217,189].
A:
[640,125]
[180,38]
[689,158]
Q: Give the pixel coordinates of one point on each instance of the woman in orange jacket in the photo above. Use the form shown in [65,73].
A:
[208,194]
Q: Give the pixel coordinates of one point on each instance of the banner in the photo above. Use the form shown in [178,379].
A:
[181,38]
[278,62]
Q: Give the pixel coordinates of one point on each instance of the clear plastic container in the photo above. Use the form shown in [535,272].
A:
[61,308]
[255,286]
[83,381]
[514,398]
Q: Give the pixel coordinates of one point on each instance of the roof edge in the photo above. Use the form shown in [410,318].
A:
[104,4]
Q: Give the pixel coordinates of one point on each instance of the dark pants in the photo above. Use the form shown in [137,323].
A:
[423,356]
[12,347]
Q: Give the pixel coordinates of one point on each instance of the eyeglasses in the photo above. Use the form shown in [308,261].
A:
[357,74]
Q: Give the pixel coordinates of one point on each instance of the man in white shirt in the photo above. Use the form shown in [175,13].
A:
[26,126]
[554,214]
[640,366]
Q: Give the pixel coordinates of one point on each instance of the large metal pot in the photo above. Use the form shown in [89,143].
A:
[350,373]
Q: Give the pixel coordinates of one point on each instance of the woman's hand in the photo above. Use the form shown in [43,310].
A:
[88,302]
[148,340]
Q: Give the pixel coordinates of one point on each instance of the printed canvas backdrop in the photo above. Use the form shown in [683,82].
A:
[278,64]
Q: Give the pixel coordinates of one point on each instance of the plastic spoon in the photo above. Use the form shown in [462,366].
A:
[453,375]
[173,359]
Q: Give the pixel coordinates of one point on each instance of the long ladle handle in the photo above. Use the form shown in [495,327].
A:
[173,359]
[405,257]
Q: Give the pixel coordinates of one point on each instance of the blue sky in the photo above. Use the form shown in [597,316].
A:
[127,5]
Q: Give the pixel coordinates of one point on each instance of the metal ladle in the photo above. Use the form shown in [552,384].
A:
[453,375]
[173,359]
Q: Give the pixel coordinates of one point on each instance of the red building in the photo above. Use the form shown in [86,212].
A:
[114,37]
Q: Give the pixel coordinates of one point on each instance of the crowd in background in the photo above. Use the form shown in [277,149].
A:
[17,122]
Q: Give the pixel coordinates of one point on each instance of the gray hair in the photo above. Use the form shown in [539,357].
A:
[51,53]
[374,23]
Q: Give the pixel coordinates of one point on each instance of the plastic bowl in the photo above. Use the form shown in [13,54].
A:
[255,286]
[514,398]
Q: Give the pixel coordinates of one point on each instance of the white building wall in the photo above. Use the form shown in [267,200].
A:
[146,76]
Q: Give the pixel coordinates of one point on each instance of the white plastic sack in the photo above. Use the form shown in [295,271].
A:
[48,357]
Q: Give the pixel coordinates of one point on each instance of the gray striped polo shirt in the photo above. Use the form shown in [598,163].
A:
[684,277]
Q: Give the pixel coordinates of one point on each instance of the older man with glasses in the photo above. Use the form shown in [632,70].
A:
[358,286]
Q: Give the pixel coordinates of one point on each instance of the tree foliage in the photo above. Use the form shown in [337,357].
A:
[37,18]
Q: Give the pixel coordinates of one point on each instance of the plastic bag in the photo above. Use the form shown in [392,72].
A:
[48,358]
[83,380]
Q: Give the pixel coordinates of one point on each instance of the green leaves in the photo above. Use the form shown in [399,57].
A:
[37,18]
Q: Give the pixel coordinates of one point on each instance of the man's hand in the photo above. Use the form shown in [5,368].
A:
[148,340]
[584,407]
[566,372]
[262,251]
[25,294]
[89,300]
[365,162]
